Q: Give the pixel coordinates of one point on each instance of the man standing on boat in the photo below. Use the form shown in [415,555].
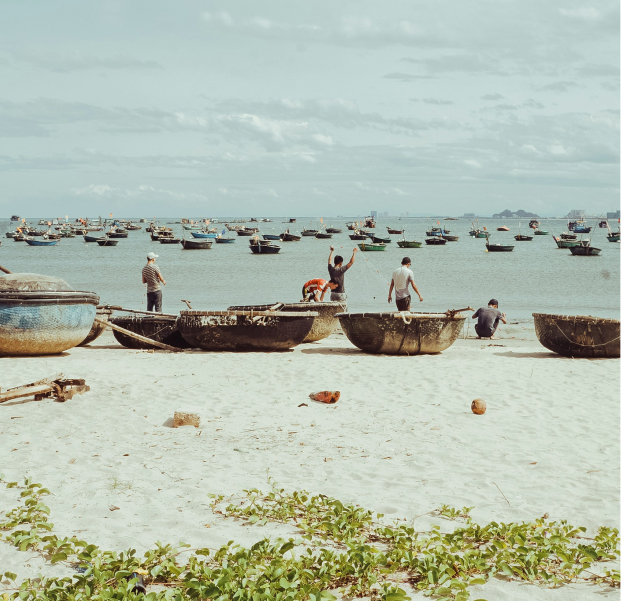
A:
[151,276]
[337,273]
[401,279]
[488,320]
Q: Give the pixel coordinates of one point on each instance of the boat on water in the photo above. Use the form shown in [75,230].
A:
[263,247]
[436,231]
[603,224]
[246,232]
[223,240]
[169,240]
[323,325]
[107,242]
[584,249]
[613,236]
[409,244]
[502,228]
[288,237]
[380,239]
[371,246]
[392,230]
[578,336]
[369,222]
[132,227]
[569,236]
[333,230]
[565,243]
[450,237]
[271,237]
[15,217]
[523,238]
[245,330]
[323,235]
[196,244]
[539,232]
[309,232]
[88,238]
[11,234]
[42,315]
[533,224]
[41,242]
[19,238]
[506,248]
[206,234]
[582,229]
[159,327]
[358,235]
[435,241]
[402,333]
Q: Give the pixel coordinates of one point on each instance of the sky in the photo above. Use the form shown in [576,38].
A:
[276,108]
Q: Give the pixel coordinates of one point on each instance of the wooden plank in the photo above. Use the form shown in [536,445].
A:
[24,391]
[139,337]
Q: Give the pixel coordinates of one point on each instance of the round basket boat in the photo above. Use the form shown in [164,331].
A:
[245,330]
[103,314]
[578,335]
[161,328]
[401,333]
[42,315]
[324,323]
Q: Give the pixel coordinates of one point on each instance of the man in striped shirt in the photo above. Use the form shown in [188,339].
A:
[152,277]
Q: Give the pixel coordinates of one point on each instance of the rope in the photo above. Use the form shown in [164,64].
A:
[586,345]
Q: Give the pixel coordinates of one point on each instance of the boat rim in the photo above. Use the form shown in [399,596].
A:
[249,314]
[399,314]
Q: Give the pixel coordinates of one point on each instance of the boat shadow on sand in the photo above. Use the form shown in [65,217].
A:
[332,351]
[546,355]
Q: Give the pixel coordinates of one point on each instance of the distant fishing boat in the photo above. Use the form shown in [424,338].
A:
[374,246]
[603,224]
[169,240]
[409,244]
[263,247]
[435,241]
[222,240]
[357,235]
[450,238]
[42,242]
[333,230]
[584,249]
[568,236]
[88,238]
[502,228]
[323,235]
[196,244]
[107,242]
[271,237]
[309,232]
[523,238]
[498,247]
[581,228]
[565,243]
[243,232]
[15,217]
[209,234]
[379,239]
[539,232]
[287,237]
[613,236]
[394,231]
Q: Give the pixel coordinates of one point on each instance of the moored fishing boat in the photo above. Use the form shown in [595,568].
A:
[223,240]
[333,230]
[204,235]
[323,325]
[435,241]
[88,238]
[409,244]
[245,330]
[161,328]
[271,237]
[246,232]
[263,247]
[613,236]
[380,239]
[577,335]
[42,315]
[584,249]
[371,246]
[392,230]
[402,333]
[196,244]
[358,235]
[309,232]
[523,238]
[539,232]
[97,329]
[498,247]
[502,228]
[107,242]
[323,235]
[565,243]
[568,236]
[41,242]
[169,240]
[287,237]
[450,238]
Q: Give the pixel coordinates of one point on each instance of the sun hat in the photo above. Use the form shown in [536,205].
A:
[152,256]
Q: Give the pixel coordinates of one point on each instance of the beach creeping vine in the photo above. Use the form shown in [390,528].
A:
[343,548]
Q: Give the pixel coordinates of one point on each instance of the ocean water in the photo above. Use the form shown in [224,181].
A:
[535,277]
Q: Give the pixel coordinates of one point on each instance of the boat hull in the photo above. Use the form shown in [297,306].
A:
[401,333]
[157,327]
[585,251]
[107,242]
[203,235]
[196,244]
[290,238]
[225,240]
[578,336]
[41,242]
[44,323]
[523,238]
[97,329]
[325,323]
[230,331]
[409,244]
[372,247]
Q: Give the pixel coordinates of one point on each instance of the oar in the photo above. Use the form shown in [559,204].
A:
[138,337]
[5,269]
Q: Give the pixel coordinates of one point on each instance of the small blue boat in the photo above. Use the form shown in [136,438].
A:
[34,242]
[203,235]
[271,237]
[582,229]
[225,240]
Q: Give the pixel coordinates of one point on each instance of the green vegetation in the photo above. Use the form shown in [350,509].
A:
[342,548]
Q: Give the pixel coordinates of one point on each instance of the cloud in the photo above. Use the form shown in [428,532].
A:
[462,63]
[64,63]
[558,86]
[587,13]
[492,97]
[598,70]
[405,77]
[142,192]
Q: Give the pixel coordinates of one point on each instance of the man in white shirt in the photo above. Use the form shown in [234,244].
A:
[401,279]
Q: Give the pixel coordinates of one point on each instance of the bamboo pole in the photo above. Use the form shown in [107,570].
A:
[153,313]
[5,269]
[139,337]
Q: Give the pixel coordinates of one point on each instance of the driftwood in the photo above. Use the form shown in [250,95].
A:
[139,337]
[61,389]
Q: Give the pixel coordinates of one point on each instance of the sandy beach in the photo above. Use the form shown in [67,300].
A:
[401,441]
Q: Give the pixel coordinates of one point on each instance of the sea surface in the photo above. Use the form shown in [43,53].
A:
[535,277]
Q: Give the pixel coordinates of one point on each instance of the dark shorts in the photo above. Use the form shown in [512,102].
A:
[484,332]
[154,301]
[403,304]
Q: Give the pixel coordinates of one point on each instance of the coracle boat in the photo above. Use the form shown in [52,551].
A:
[324,324]
[435,241]
[161,328]
[394,231]
[523,238]
[333,230]
[323,235]
[498,248]
[42,242]
[409,244]
[263,247]
[578,336]
[287,237]
[107,242]
[42,315]
[246,232]
[119,233]
[196,244]
[169,240]
[222,240]
[103,314]
[245,330]
[402,333]
[584,249]
[565,243]
[380,239]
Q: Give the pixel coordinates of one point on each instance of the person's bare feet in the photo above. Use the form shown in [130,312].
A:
[478,338]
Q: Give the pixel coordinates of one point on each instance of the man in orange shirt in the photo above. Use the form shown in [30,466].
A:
[315,290]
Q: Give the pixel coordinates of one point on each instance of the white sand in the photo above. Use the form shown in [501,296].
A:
[402,440]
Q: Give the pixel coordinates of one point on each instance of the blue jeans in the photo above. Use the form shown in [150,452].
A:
[154,301]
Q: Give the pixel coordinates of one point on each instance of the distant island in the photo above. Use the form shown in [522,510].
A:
[506,214]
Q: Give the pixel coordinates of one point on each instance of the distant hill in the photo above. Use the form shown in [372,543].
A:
[506,214]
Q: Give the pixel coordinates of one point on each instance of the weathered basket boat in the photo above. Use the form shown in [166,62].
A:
[245,330]
[287,237]
[577,335]
[374,246]
[325,323]
[42,315]
[88,238]
[435,241]
[263,247]
[107,242]
[584,249]
[161,328]
[402,333]
[323,235]
[196,244]
[523,238]
[103,314]
[409,244]
[333,230]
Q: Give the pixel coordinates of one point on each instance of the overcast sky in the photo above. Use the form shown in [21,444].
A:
[319,108]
